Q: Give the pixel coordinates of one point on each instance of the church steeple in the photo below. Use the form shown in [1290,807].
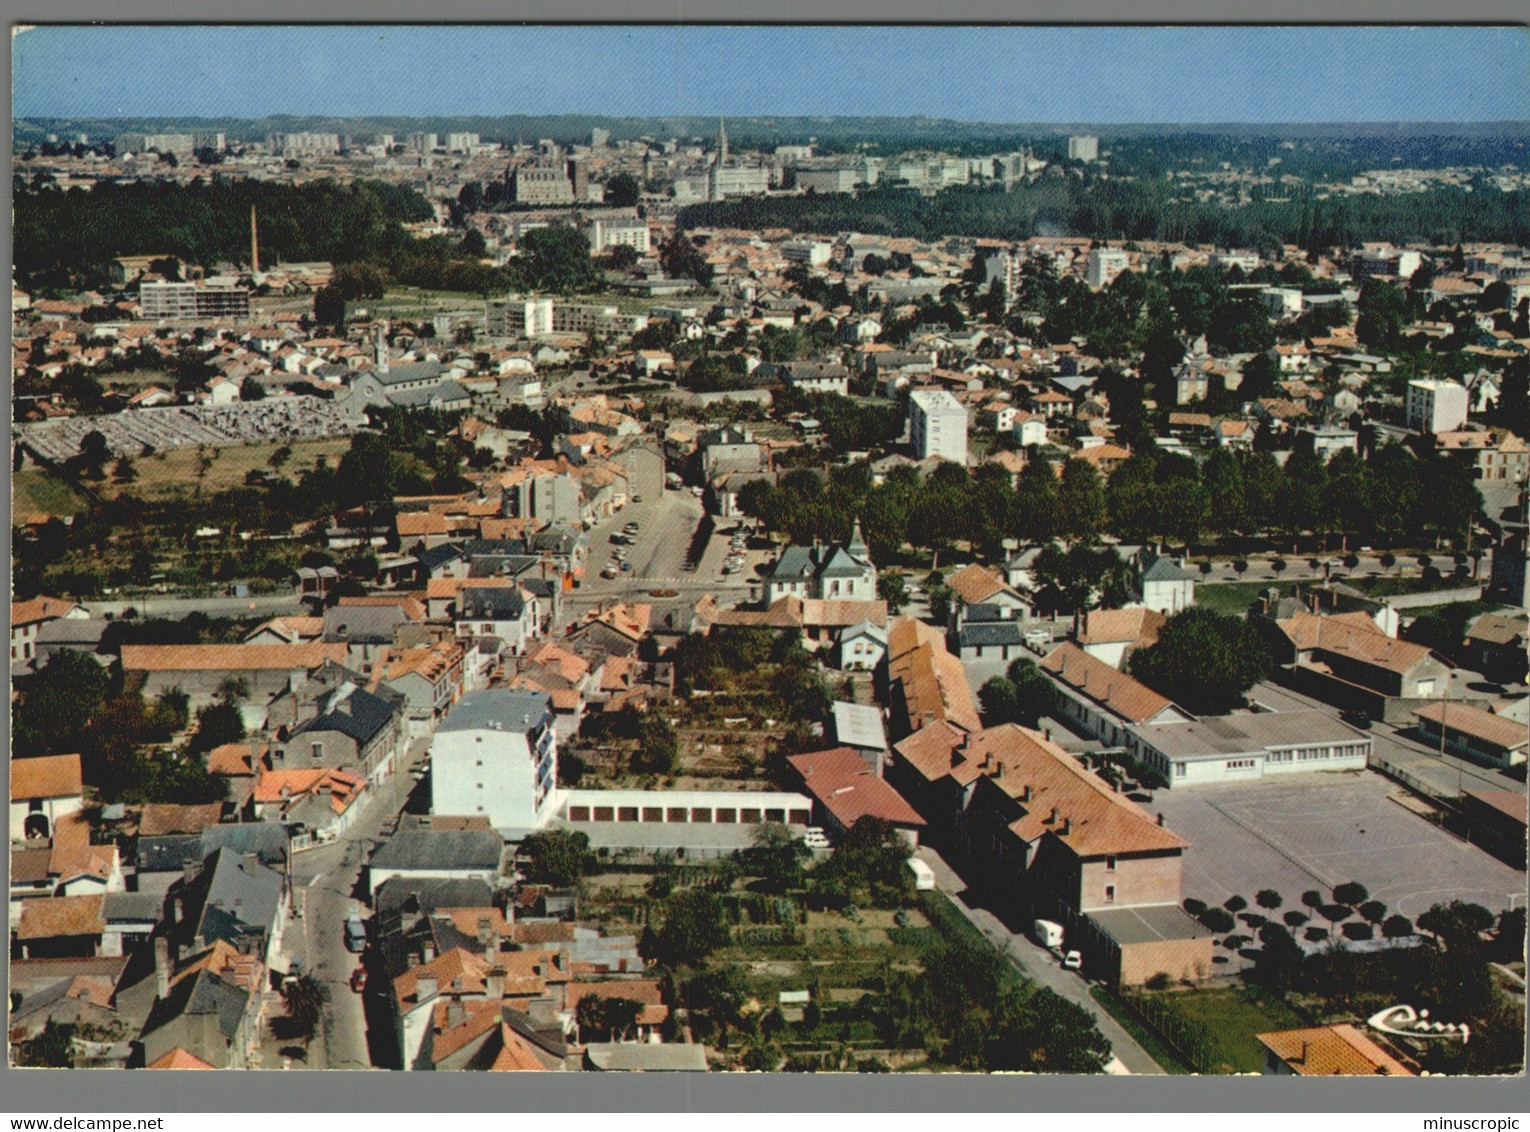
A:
[857,545]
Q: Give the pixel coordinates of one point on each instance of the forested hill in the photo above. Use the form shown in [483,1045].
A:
[81,232]
[1119,210]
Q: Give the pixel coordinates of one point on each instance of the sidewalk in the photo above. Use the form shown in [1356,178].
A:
[1041,967]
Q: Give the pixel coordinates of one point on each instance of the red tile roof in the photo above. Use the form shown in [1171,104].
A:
[850,790]
[46,776]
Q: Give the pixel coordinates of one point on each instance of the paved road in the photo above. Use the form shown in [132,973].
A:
[324,882]
[1041,966]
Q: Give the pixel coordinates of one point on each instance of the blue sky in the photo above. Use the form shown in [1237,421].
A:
[1098,75]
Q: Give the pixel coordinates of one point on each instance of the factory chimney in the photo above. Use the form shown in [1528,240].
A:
[254,244]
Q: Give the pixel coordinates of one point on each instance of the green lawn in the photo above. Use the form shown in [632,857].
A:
[1111,1004]
[35,491]
[1233,1017]
[1236,597]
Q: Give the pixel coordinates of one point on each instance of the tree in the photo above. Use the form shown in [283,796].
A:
[57,704]
[1396,927]
[557,259]
[1351,892]
[1045,1033]
[1267,898]
[623,191]
[622,256]
[1081,500]
[870,856]
[303,998]
[680,259]
[892,589]
[558,857]
[693,928]
[1204,661]
[94,452]
[776,856]
[329,307]
[1022,695]
[217,724]
[52,1048]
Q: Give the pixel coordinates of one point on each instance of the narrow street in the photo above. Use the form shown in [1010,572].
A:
[324,887]
[1040,966]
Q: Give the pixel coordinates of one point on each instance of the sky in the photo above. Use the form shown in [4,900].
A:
[1064,74]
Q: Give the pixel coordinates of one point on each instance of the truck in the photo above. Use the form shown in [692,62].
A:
[1049,934]
[924,876]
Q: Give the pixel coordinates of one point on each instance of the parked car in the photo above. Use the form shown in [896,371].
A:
[1074,961]
[359,980]
[355,934]
[815,838]
[1359,719]
[626,566]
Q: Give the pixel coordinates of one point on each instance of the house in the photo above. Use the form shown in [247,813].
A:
[925,682]
[1496,645]
[507,613]
[1167,586]
[1236,748]
[861,647]
[1497,821]
[845,789]
[1327,1051]
[859,727]
[984,633]
[1110,635]
[207,1014]
[233,897]
[429,677]
[977,585]
[1344,660]
[45,789]
[27,617]
[496,754]
[321,802]
[200,670]
[824,572]
[1473,733]
[59,927]
[1048,839]
[411,855]
[354,730]
[1105,702]
[366,631]
[645,992]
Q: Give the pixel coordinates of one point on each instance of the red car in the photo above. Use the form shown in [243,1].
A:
[359,979]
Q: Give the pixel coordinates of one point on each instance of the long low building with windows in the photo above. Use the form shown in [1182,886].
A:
[1236,748]
[1478,735]
[699,823]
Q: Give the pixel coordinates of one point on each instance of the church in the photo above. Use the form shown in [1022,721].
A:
[827,573]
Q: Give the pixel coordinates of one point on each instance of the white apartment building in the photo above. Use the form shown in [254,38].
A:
[814,253]
[422,143]
[1084,147]
[606,234]
[1103,265]
[461,143]
[1436,406]
[938,425]
[1244,261]
[518,318]
[496,754]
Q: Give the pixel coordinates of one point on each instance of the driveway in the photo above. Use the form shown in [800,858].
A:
[1039,965]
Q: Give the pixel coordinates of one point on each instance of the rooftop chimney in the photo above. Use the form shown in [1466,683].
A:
[494,984]
[485,932]
[454,1014]
[1025,792]
[1160,817]
[427,951]
[161,966]
[1067,826]
[1052,820]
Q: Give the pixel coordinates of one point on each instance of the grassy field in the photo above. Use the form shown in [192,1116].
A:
[1236,597]
[37,492]
[1234,1016]
[1166,1058]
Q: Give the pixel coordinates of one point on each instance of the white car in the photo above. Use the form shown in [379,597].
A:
[815,838]
[1074,960]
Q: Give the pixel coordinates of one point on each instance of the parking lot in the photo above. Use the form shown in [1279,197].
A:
[1319,830]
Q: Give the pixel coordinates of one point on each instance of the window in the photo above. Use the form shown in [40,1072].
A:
[478,762]
[318,750]
[1110,894]
[1240,764]
[579,813]
[1179,770]
[1110,864]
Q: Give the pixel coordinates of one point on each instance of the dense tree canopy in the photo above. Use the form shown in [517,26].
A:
[1204,661]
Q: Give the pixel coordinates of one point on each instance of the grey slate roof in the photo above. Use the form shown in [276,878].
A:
[430,893]
[201,994]
[490,603]
[985,611]
[405,372]
[445,391]
[512,709]
[436,557]
[362,624]
[474,547]
[464,849]
[1167,570]
[242,898]
[990,633]
[268,840]
[360,716]
[799,563]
